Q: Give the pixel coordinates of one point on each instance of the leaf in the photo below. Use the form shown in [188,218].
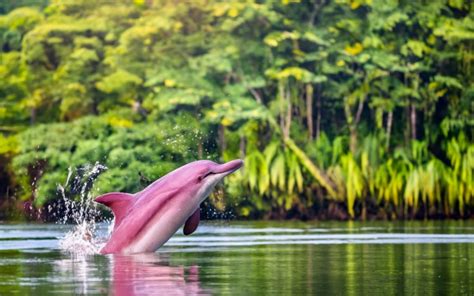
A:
[418,48]
[118,81]
[354,50]
[448,81]
[270,151]
[278,174]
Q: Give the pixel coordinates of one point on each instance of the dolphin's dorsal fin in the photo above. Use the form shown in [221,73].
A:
[118,202]
[192,223]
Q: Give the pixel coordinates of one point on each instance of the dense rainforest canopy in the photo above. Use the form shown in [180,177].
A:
[340,109]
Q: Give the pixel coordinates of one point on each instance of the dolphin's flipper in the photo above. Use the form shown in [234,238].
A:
[119,202]
[192,223]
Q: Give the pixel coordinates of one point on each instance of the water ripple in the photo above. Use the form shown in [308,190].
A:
[208,236]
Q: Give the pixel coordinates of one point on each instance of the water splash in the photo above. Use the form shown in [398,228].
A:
[81,240]
[81,210]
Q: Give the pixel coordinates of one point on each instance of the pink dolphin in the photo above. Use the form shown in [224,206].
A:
[144,221]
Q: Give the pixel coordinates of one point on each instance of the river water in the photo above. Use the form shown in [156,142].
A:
[251,258]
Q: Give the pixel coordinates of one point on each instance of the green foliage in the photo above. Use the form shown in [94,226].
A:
[359,107]
[126,147]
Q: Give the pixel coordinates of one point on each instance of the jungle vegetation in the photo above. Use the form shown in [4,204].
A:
[347,109]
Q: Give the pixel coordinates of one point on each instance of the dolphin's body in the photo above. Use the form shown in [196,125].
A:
[144,221]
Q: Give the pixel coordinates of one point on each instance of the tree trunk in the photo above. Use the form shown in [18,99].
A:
[200,150]
[413,121]
[137,108]
[221,137]
[286,131]
[317,173]
[318,114]
[389,127]
[353,122]
[353,138]
[281,92]
[309,110]
[407,132]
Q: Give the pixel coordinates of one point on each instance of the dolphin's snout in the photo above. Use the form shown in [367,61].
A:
[229,167]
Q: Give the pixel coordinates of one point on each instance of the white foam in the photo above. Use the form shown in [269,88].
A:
[81,240]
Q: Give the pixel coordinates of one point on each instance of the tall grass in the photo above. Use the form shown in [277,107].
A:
[410,182]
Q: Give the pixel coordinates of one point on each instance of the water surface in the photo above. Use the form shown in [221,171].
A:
[252,258]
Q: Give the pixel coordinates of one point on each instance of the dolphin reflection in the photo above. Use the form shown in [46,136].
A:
[150,274]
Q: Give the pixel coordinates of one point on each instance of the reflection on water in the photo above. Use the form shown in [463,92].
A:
[79,271]
[433,258]
[147,274]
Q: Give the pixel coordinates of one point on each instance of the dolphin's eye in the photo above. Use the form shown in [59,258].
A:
[202,177]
